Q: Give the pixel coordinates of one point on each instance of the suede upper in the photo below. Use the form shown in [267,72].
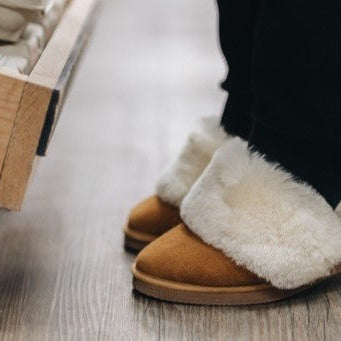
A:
[153,216]
[181,256]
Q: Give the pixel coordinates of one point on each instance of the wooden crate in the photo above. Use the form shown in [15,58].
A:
[30,105]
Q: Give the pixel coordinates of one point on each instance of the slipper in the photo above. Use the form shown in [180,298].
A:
[159,213]
[251,234]
[147,221]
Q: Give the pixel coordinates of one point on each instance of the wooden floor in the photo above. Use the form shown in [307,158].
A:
[152,68]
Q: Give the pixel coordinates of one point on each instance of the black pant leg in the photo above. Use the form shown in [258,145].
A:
[296,87]
[237,29]
[296,68]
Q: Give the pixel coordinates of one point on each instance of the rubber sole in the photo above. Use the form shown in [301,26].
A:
[204,295]
[136,241]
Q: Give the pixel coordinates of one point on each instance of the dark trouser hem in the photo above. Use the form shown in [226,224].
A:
[237,29]
[236,118]
[316,163]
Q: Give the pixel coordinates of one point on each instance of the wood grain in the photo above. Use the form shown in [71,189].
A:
[21,151]
[27,124]
[63,272]
[11,89]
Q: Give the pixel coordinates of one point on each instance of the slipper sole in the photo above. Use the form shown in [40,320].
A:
[136,241]
[205,295]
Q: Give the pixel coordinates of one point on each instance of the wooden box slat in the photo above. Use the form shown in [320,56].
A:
[11,90]
[27,103]
[61,89]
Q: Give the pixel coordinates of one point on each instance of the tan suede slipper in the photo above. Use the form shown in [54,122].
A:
[180,267]
[159,213]
[149,220]
[252,235]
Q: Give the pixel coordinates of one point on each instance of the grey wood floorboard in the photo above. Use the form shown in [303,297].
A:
[152,68]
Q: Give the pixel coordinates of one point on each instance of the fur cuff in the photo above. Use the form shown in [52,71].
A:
[193,159]
[262,218]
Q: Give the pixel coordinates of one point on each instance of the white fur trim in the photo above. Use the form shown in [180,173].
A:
[258,215]
[193,159]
